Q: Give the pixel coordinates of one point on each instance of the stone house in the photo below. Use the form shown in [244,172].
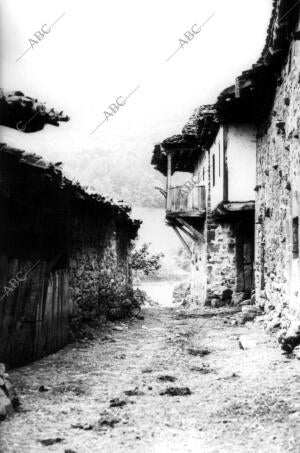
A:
[278,170]
[63,252]
[215,208]
[270,93]
[25,114]
[259,114]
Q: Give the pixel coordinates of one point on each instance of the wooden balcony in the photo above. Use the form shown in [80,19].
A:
[183,203]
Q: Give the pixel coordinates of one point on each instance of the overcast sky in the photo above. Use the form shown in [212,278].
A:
[100,50]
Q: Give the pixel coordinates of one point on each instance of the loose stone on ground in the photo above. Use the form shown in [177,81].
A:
[230,400]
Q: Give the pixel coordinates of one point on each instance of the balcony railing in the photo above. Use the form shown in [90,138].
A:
[189,203]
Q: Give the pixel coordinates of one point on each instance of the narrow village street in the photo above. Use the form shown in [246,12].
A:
[111,394]
[150,227]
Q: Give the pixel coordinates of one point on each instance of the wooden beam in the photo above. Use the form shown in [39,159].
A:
[185,244]
[174,223]
[239,206]
[178,214]
[192,229]
[188,233]
[162,191]
[169,176]
[184,229]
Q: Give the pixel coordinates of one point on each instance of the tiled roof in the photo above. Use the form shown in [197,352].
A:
[285,14]
[201,114]
[254,88]
[25,113]
[69,189]
[248,99]
[197,135]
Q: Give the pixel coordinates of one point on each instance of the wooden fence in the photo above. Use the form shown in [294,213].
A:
[34,310]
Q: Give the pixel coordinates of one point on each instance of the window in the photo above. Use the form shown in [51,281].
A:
[214,170]
[290,59]
[296,237]
[203,174]
[219,160]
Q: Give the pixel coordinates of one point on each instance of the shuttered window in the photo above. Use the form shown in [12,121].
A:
[296,237]
[219,160]
[214,170]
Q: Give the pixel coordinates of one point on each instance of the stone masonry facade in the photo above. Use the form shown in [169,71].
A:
[78,248]
[99,264]
[278,198]
[221,259]
[198,270]
[214,262]
[214,267]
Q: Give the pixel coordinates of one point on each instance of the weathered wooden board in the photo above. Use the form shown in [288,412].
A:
[181,200]
[34,317]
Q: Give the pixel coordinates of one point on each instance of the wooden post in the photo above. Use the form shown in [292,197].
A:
[225,171]
[237,88]
[169,176]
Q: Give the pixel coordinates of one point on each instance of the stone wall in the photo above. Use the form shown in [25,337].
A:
[221,258]
[278,197]
[99,263]
[8,397]
[198,271]
[223,266]
[214,263]
[224,263]
[76,246]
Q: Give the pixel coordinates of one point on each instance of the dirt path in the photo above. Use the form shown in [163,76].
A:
[242,400]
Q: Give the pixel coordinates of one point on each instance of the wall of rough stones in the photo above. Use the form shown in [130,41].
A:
[8,398]
[223,265]
[221,259]
[198,271]
[214,264]
[99,264]
[99,272]
[278,198]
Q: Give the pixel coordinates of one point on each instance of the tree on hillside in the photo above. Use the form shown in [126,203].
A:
[145,262]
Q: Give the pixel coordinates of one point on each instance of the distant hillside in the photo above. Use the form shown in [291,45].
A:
[126,176]
[121,171]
